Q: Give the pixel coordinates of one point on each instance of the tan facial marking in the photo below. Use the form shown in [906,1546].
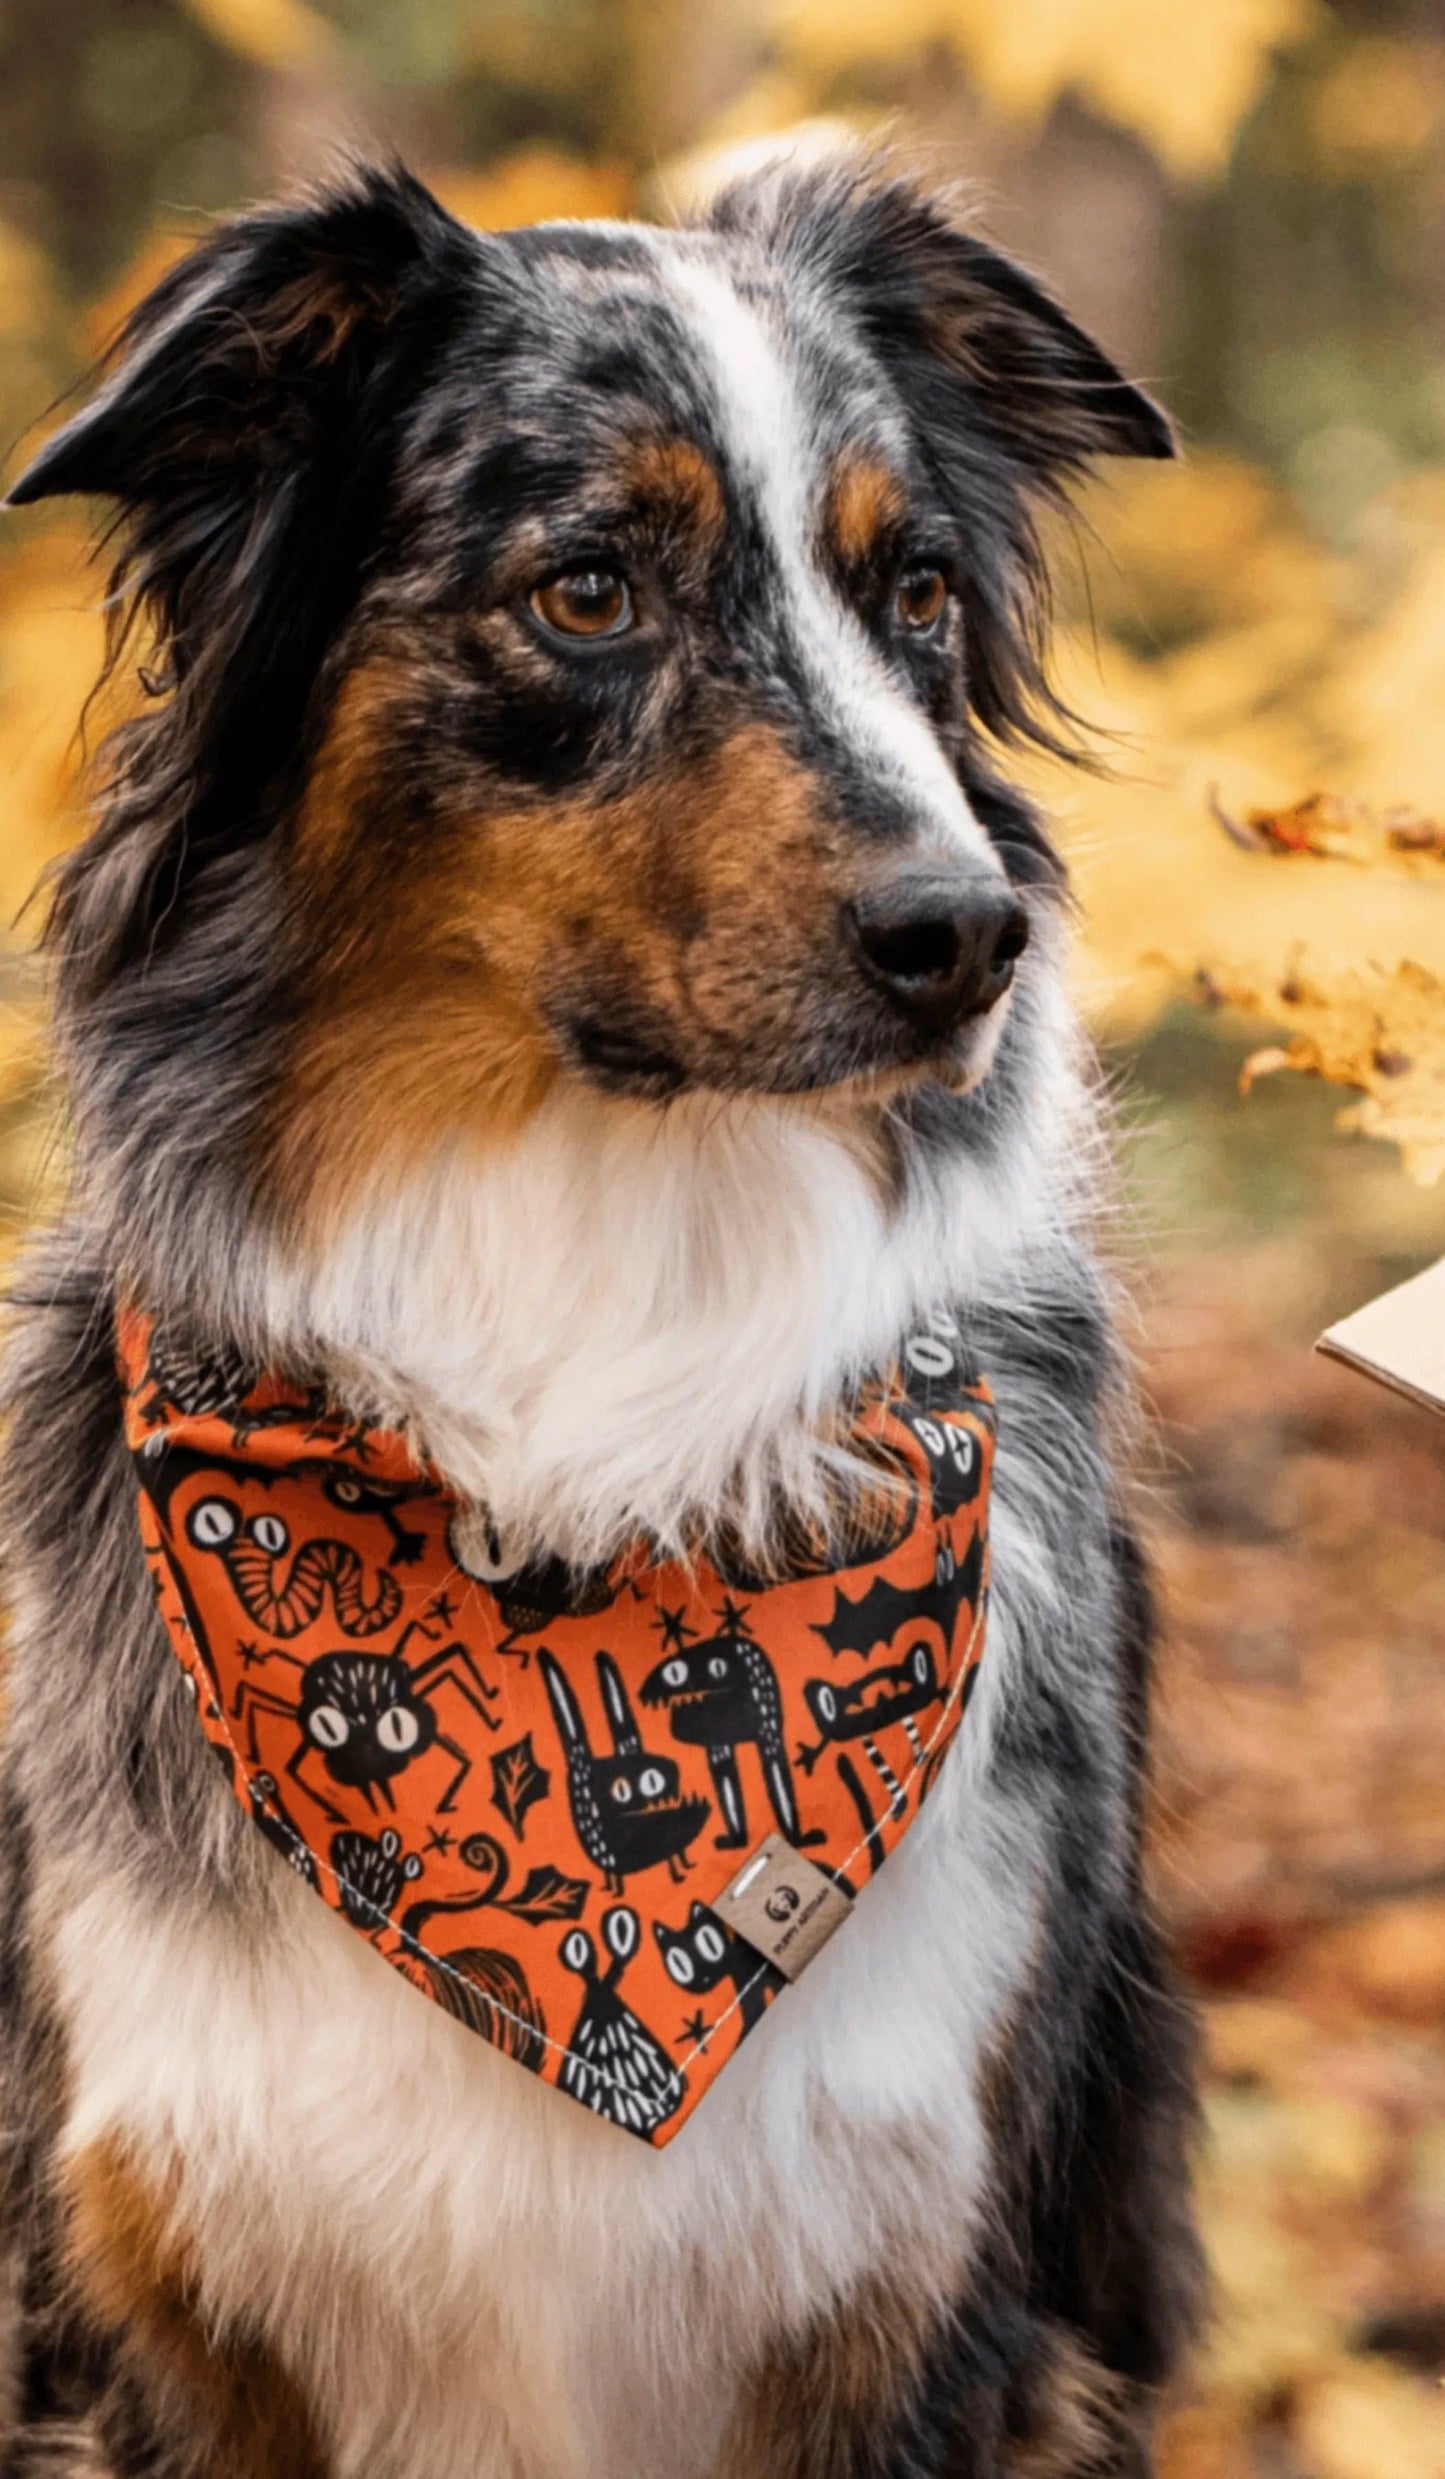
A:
[134,2271]
[329,813]
[437,957]
[864,501]
[676,477]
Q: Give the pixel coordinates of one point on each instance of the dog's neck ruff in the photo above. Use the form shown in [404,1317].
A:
[601,1817]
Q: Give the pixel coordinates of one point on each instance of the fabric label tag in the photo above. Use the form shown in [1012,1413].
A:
[783,1905]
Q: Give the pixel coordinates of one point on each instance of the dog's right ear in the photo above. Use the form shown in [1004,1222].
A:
[244,357]
[248,428]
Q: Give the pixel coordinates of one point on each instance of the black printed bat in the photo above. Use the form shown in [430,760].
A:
[873,1620]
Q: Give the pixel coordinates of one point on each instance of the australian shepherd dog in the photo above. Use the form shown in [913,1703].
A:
[559,958]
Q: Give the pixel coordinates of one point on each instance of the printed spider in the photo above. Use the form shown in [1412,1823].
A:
[368,1715]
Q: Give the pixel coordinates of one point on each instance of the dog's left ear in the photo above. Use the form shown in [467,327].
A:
[1008,397]
[966,330]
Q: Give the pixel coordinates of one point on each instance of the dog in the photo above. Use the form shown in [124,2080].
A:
[561,964]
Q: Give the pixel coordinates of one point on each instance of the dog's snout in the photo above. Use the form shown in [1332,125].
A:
[942,945]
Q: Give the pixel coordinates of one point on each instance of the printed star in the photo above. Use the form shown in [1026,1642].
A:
[675,1630]
[697,2029]
[249,1655]
[731,1619]
[439,1841]
[443,1609]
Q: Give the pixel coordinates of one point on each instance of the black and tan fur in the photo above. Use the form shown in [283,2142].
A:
[378,863]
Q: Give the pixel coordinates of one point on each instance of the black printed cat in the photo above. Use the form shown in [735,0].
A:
[721,1695]
[700,1954]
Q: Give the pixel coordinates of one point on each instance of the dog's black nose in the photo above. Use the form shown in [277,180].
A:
[942,943]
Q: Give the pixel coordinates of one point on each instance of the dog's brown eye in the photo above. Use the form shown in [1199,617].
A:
[919,598]
[585,602]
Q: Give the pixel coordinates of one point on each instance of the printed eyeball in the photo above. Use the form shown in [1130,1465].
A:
[652,1783]
[928,1355]
[398,1730]
[329,1726]
[622,1790]
[675,1673]
[212,1522]
[717,1667]
[827,1703]
[346,1489]
[710,1944]
[269,1533]
[680,1965]
[920,1662]
[577,1950]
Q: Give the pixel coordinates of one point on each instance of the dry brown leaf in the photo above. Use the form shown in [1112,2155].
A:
[1328,828]
[1382,1032]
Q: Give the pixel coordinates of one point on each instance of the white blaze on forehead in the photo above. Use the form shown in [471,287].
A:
[772,447]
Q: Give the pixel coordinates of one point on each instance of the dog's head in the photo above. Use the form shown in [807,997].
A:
[578,654]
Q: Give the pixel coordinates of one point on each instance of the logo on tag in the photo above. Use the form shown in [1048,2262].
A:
[783,1905]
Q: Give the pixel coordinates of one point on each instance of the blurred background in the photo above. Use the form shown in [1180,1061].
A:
[1246,199]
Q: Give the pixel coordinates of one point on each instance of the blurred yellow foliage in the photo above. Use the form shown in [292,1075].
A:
[1234,664]
[1382,102]
[1181,78]
[535,185]
[1373,2422]
[25,282]
[277,34]
[157,254]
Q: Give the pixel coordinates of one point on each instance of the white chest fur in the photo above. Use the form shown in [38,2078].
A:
[472,2278]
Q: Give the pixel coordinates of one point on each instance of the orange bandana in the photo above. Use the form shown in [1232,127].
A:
[601,1817]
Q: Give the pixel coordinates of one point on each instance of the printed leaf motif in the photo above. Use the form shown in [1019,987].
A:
[548,1895]
[518,1782]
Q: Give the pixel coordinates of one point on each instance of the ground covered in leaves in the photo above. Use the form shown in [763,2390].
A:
[1298,1523]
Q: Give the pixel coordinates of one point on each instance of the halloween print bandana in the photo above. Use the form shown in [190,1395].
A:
[532,1790]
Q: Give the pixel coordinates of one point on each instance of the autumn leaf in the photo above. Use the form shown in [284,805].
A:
[518,1782]
[1331,829]
[548,1895]
[1182,79]
[1381,1032]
